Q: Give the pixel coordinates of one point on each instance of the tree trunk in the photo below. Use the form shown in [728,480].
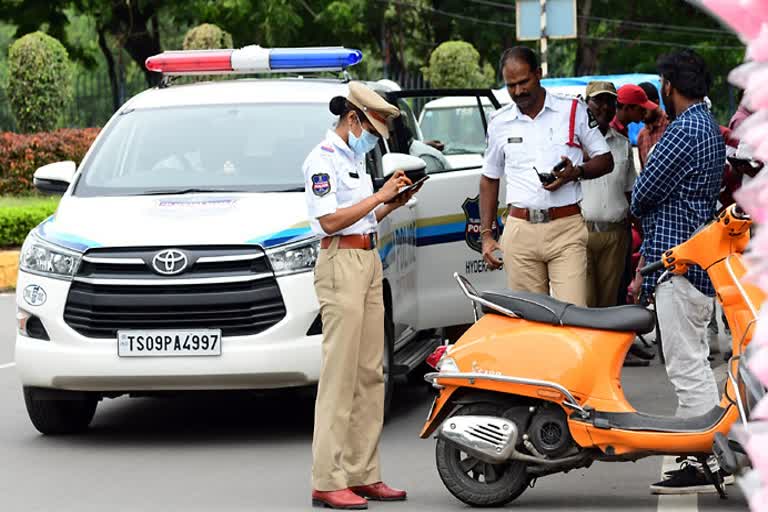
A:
[131,24]
[586,54]
[111,69]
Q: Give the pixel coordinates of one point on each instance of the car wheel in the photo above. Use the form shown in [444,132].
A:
[54,412]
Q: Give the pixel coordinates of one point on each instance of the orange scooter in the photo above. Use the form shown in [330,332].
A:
[533,388]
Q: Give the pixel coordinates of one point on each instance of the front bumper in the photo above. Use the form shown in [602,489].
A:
[281,356]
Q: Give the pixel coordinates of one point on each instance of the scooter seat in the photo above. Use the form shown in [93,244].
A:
[543,308]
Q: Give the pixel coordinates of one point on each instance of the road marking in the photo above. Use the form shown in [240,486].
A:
[7,365]
[676,503]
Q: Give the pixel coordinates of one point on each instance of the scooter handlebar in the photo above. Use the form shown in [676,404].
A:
[650,269]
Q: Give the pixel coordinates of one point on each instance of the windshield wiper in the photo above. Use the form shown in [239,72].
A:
[182,191]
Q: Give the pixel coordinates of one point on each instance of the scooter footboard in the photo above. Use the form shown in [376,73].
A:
[670,436]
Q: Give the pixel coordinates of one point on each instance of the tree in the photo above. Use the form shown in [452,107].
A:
[40,82]
[456,64]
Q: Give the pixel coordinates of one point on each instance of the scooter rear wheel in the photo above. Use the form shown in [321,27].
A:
[478,483]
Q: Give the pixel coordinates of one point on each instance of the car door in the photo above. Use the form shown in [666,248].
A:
[397,248]
[447,214]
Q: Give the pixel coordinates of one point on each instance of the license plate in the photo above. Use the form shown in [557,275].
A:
[153,343]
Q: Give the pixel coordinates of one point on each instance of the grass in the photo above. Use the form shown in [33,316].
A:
[16,202]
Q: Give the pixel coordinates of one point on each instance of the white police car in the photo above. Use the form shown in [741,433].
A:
[180,256]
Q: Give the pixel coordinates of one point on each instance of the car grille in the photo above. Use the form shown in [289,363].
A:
[232,289]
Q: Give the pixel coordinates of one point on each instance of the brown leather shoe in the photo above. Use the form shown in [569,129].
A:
[342,499]
[379,492]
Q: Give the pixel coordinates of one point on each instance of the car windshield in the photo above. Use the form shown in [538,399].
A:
[233,148]
[460,129]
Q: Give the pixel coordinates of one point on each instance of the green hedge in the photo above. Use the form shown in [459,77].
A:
[19,217]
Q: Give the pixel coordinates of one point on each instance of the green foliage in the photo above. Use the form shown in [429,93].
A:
[21,155]
[456,64]
[40,82]
[19,217]
[207,37]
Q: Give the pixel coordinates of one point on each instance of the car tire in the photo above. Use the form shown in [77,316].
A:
[54,412]
[389,362]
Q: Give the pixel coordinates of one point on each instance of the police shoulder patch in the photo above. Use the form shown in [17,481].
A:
[321,184]
[592,121]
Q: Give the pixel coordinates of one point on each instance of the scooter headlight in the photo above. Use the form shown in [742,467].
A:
[294,258]
[46,259]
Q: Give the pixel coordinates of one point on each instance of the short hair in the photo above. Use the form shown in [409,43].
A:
[522,54]
[687,72]
[650,91]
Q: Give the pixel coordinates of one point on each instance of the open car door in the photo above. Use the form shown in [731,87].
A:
[449,134]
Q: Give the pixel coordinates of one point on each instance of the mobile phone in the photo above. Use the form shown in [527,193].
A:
[408,188]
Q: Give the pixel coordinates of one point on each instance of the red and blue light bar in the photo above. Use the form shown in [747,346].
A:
[253,59]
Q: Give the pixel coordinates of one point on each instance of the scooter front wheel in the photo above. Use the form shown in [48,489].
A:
[473,481]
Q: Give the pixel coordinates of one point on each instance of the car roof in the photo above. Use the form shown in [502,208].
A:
[243,91]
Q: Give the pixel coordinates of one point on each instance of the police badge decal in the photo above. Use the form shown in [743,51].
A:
[472,228]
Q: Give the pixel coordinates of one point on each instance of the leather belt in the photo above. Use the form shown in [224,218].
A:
[365,242]
[535,216]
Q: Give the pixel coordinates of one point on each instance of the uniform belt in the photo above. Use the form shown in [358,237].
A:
[539,216]
[606,227]
[365,242]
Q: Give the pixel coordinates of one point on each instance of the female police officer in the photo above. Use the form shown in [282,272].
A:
[348,280]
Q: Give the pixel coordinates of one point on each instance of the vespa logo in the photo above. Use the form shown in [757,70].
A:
[477,369]
[169,262]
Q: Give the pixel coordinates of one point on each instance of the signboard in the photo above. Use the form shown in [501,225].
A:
[561,19]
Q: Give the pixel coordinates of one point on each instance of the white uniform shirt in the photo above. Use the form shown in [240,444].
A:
[334,177]
[517,144]
[605,198]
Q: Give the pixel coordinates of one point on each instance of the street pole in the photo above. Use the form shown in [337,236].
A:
[543,38]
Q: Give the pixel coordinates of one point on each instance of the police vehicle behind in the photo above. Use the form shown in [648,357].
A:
[180,256]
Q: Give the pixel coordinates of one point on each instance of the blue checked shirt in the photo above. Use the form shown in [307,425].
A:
[677,192]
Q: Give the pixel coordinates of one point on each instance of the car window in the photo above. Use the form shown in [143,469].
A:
[458,128]
[259,147]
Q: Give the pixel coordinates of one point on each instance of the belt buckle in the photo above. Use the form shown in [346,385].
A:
[372,240]
[538,216]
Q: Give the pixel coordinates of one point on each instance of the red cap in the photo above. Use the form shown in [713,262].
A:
[632,94]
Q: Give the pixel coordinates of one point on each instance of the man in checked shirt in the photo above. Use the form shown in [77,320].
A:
[674,195]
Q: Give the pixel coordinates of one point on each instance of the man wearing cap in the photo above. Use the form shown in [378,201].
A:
[344,210]
[606,203]
[656,121]
[545,239]
[633,105]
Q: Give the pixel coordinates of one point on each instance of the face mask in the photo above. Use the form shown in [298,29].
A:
[363,144]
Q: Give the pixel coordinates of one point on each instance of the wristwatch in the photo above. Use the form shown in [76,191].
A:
[580,168]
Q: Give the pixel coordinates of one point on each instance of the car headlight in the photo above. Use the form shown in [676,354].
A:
[45,259]
[294,258]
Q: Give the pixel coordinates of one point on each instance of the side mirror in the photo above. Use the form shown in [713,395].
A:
[409,163]
[55,178]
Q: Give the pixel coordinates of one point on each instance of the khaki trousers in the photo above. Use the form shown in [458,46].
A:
[606,258]
[550,254]
[349,411]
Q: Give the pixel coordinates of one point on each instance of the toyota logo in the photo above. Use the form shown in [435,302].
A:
[169,262]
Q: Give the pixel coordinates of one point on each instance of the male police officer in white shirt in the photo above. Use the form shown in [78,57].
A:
[606,204]
[545,237]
